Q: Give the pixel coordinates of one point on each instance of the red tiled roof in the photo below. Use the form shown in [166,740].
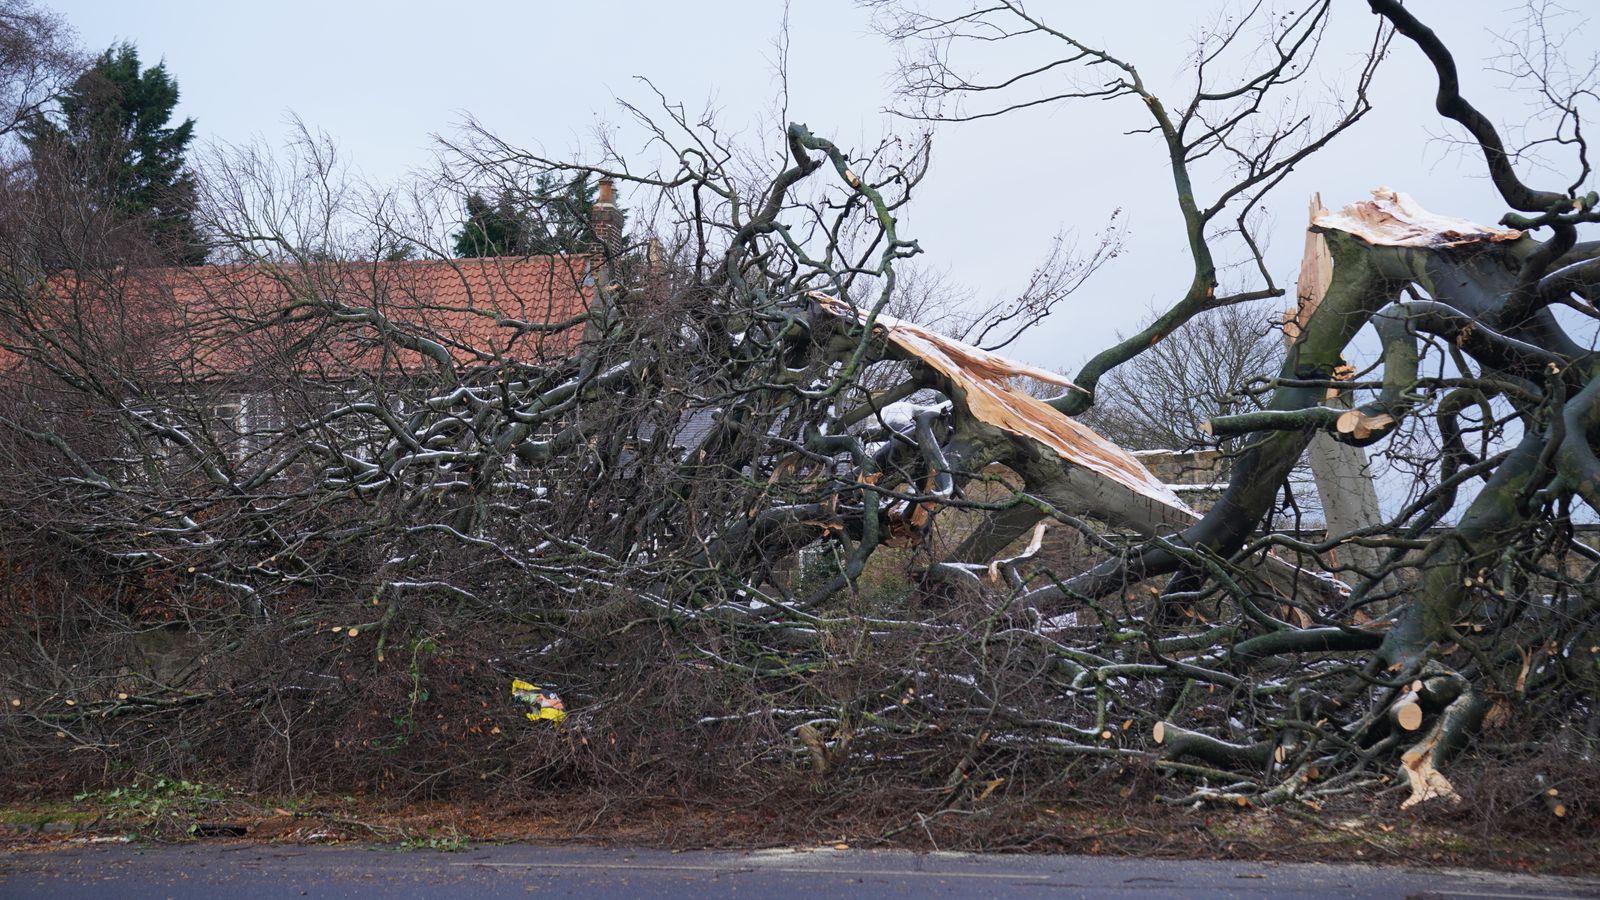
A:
[332,320]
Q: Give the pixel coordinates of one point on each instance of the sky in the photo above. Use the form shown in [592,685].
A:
[382,78]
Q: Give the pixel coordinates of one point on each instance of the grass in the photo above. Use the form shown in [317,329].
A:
[161,805]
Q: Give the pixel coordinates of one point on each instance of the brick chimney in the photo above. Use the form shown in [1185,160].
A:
[606,219]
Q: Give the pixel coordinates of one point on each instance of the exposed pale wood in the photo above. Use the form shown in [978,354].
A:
[1427,783]
[991,398]
[1344,482]
[1316,273]
[1393,219]
[812,739]
[1103,477]
[1408,714]
[1360,425]
[1551,797]
[1034,545]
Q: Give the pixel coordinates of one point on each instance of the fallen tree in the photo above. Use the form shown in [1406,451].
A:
[734,509]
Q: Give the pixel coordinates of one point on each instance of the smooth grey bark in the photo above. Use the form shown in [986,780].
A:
[1349,497]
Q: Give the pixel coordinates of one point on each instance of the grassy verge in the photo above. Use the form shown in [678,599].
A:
[185,812]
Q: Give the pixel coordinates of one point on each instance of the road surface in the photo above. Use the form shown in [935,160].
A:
[238,871]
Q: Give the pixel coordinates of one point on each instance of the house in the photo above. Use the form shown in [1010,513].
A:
[232,336]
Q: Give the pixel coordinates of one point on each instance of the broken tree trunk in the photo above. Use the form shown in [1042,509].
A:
[1080,471]
[1344,481]
[1089,474]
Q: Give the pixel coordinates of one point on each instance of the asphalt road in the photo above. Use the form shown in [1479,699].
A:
[237,871]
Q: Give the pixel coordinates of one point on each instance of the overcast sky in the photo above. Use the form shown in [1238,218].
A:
[381,78]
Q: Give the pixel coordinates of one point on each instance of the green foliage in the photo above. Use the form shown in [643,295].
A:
[554,218]
[405,724]
[492,230]
[110,134]
[160,801]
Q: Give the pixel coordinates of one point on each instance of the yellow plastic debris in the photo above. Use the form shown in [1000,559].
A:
[547,704]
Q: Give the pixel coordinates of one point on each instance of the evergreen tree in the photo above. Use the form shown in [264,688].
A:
[500,229]
[555,218]
[111,133]
[565,223]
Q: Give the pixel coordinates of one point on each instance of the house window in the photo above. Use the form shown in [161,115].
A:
[248,422]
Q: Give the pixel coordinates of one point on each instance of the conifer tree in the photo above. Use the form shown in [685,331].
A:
[110,131]
[553,218]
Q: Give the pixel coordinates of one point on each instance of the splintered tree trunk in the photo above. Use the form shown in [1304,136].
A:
[1344,481]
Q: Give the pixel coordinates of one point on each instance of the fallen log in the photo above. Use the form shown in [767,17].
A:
[1175,742]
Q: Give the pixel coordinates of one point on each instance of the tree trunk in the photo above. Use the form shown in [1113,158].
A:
[1344,481]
